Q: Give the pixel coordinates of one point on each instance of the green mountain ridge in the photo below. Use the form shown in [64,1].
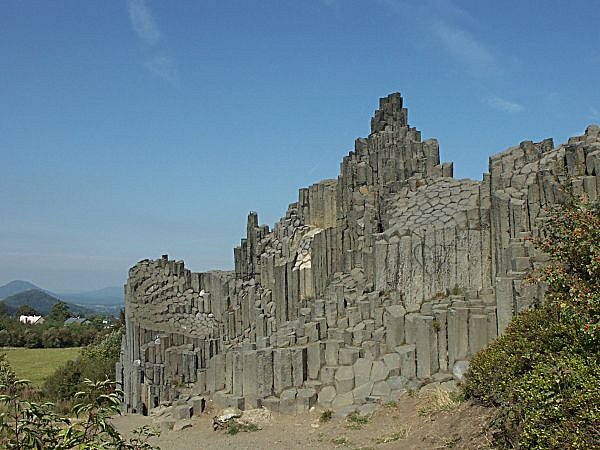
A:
[16,287]
[42,302]
[108,300]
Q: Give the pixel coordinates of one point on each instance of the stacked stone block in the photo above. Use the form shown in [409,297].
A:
[389,277]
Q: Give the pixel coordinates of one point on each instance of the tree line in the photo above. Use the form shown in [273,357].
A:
[52,333]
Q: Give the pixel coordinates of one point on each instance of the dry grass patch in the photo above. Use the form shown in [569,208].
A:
[438,400]
[341,441]
[401,433]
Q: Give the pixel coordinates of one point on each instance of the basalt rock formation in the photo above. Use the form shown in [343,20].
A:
[390,276]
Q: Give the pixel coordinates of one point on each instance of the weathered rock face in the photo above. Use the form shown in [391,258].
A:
[392,275]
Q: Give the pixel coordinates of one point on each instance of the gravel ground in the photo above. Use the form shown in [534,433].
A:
[413,422]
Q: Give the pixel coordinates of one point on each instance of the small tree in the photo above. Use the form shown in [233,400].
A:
[25,310]
[32,338]
[59,313]
[55,337]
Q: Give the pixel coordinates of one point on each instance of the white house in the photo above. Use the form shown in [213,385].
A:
[31,319]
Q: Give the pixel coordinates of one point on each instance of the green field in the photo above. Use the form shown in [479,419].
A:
[36,364]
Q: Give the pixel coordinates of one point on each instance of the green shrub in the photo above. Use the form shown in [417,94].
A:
[96,362]
[64,382]
[326,416]
[543,374]
[557,405]
[530,337]
[100,357]
[234,427]
[7,374]
[25,424]
[356,421]
[545,385]
[571,237]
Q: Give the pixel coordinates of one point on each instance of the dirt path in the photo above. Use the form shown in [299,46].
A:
[413,422]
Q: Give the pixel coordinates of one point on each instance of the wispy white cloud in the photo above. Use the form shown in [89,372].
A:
[427,9]
[162,65]
[448,25]
[143,22]
[503,105]
[465,48]
[145,27]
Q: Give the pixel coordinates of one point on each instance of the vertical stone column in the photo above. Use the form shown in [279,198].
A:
[282,370]
[393,321]
[504,302]
[458,338]
[381,247]
[478,332]
[251,377]
[427,347]
[265,372]
[441,327]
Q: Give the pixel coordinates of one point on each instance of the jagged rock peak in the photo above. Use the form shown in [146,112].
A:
[390,114]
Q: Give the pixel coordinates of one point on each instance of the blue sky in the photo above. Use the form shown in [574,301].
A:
[129,129]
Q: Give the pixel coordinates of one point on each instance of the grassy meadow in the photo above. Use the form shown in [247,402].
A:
[36,364]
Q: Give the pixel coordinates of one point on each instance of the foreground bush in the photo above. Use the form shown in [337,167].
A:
[28,425]
[557,404]
[531,337]
[544,373]
[96,362]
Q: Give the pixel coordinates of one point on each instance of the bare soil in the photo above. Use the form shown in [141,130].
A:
[412,422]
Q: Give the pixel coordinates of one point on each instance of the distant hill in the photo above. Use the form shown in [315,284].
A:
[106,301]
[15,287]
[41,301]
[109,296]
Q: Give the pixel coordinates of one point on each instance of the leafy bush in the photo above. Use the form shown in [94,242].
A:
[7,374]
[572,239]
[28,425]
[100,357]
[64,382]
[557,405]
[531,336]
[96,362]
[544,372]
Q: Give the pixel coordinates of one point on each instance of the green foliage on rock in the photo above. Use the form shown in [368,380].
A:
[543,374]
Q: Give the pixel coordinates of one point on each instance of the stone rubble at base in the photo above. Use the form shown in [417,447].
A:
[388,278]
